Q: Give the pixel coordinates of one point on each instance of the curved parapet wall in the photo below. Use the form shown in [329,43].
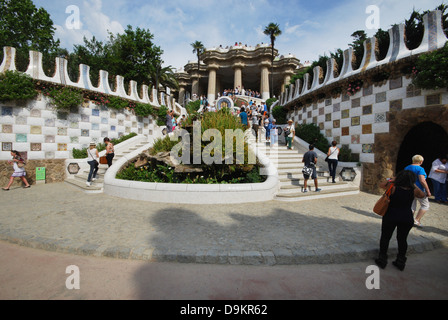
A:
[190,193]
[61,77]
[434,38]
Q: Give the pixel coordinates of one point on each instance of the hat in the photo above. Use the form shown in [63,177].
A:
[92,143]
[290,120]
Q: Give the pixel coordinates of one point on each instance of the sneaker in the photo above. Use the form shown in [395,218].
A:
[305,191]
[417,224]
[318,190]
[94,179]
[88,184]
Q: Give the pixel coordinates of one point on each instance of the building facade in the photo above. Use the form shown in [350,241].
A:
[240,66]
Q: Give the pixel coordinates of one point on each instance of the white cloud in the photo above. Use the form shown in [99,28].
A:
[95,19]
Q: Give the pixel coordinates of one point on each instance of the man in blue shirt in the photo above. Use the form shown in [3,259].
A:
[243,116]
[415,167]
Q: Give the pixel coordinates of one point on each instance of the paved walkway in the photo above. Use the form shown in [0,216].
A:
[57,217]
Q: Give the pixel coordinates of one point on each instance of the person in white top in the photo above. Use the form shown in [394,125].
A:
[92,160]
[438,176]
[333,159]
[290,134]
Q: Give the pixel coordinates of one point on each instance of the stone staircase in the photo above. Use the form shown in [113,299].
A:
[289,165]
[80,179]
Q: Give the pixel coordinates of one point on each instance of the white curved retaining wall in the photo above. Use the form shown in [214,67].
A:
[190,193]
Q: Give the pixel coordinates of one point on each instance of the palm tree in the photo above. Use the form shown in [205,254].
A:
[198,49]
[162,76]
[273,31]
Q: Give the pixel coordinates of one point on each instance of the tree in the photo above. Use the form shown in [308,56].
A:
[383,39]
[359,37]
[162,76]
[130,55]
[273,31]
[25,28]
[414,30]
[198,49]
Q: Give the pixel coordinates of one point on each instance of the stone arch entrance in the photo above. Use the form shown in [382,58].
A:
[387,145]
[427,139]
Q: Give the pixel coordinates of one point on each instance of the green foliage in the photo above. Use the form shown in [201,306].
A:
[161,116]
[82,153]
[143,110]
[214,173]
[193,107]
[131,55]
[270,102]
[65,98]
[358,46]
[432,70]
[345,154]
[16,86]
[117,103]
[162,145]
[25,28]
[312,135]
[165,174]
[280,114]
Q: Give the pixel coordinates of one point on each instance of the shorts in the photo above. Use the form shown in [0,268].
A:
[313,175]
[424,204]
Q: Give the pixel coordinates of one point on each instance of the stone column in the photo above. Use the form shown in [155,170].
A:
[264,88]
[182,96]
[238,80]
[195,86]
[211,93]
[287,78]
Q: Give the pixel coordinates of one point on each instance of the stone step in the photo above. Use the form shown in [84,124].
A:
[297,183]
[84,176]
[312,195]
[298,170]
[94,188]
[293,189]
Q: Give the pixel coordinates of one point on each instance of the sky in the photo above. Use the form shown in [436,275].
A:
[309,28]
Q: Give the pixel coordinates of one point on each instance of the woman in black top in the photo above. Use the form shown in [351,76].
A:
[398,216]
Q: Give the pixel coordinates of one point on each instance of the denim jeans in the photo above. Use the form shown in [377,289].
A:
[332,165]
[439,190]
[93,170]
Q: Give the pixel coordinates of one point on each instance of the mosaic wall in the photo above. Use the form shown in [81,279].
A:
[354,121]
[43,133]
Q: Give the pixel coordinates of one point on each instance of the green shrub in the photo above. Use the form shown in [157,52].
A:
[161,116]
[193,106]
[345,154]
[280,114]
[143,109]
[16,86]
[65,98]
[117,103]
[312,135]
[432,70]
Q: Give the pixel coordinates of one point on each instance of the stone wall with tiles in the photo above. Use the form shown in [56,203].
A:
[374,122]
[41,133]
[54,171]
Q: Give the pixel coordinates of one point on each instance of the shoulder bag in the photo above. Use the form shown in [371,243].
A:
[382,204]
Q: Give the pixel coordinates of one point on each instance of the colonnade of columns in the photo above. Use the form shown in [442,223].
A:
[238,67]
